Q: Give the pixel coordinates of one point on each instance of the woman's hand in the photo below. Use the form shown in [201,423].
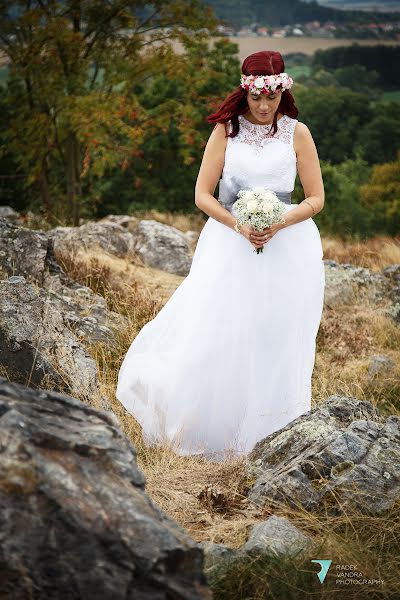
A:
[259,238]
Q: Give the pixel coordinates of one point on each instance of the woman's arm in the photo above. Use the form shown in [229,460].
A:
[209,174]
[309,171]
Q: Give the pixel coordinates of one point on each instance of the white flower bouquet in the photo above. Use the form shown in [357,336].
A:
[258,208]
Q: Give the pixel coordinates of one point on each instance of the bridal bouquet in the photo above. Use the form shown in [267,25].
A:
[258,208]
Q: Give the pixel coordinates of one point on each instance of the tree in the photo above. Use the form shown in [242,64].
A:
[162,175]
[378,140]
[381,197]
[335,118]
[378,58]
[73,68]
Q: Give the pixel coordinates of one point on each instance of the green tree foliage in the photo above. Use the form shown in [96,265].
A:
[352,78]
[163,172]
[347,124]
[70,101]
[335,118]
[343,215]
[286,12]
[378,58]
[378,140]
[360,200]
[380,198]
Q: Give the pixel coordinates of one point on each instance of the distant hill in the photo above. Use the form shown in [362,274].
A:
[288,12]
[383,4]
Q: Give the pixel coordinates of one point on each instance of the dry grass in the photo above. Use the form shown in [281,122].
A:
[182,221]
[347,339]
[376,253]
[124,285]
[367,542]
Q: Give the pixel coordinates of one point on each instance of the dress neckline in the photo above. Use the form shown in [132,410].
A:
[261,124]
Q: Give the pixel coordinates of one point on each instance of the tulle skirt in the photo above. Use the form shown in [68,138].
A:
[228,360]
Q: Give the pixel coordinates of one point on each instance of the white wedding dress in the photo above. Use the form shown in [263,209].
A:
[228,360]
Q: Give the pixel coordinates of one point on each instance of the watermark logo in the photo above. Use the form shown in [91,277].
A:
[325,564]
[346,575]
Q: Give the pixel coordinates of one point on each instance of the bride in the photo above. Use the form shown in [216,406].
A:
[229,358]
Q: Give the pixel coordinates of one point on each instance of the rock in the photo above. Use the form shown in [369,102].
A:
[346,284]
[191,235]
[393,312]
[83,311]
[26,252]
[31,254]
[6,212]
[162,246]
[340,456]
[380,364]
[76,521]
[35,346]
[276,536]
[127,222]
[217,559]
[393,272]
[192,238]
[110,236]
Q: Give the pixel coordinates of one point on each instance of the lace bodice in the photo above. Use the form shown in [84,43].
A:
[255,157]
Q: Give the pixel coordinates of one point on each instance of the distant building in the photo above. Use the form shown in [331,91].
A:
[322,33]
[225,30]
[279,33]
[245,31]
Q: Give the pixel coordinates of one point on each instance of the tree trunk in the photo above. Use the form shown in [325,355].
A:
[78,186]
[45,193]
[73,197]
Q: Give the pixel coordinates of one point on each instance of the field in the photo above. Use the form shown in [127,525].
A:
[248,45]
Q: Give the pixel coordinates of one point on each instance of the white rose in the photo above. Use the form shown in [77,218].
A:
[245,195]
[259,82]
[267,207]
[252,205]
[270,195]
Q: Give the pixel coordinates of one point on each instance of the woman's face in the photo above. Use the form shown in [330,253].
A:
[264,106]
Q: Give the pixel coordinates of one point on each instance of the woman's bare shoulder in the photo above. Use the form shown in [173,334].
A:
[218,136]
[302,137]
[221,129]
[301,130]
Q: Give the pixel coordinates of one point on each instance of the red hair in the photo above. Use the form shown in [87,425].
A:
[266,62]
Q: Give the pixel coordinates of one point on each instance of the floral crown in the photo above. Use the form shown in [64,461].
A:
[266,84]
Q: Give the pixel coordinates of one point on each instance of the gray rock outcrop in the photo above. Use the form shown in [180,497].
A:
[31,254]
[7,212]
[340,456]
[76,521]
[347,284]
[380,364]
[107,235]
[277,535]
[128,222]
[162,246]
[35,346]
[154,244]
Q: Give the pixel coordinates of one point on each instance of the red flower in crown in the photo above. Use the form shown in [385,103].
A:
[266,84]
